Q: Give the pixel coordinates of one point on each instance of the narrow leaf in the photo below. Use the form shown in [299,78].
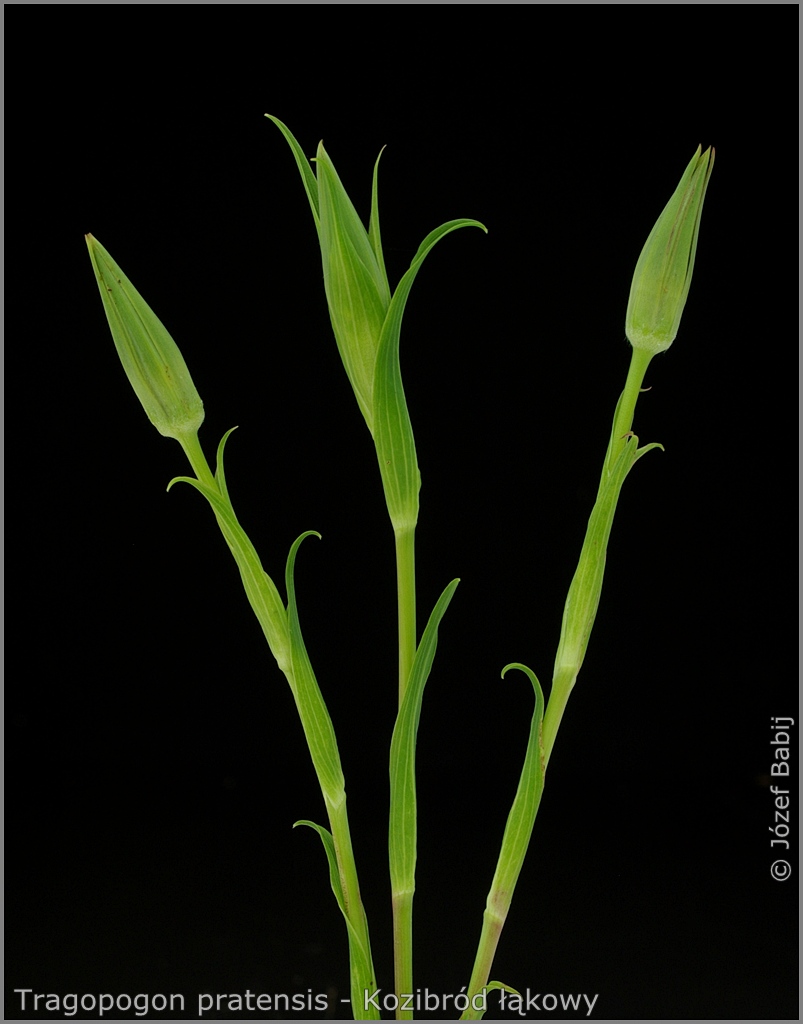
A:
[522,814]
[360,960]
[220,475]
[331,856]
[304,166]
[645,449]
[374,235]
[582,600]
[259,587]
[403,825]
[312,710]
[500,986]
[392,429]
[516,839]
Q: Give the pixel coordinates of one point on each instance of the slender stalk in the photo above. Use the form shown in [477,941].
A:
[492,925]
[405,582]
[562,685]
[625,409]
[566,670]
[194,452]
[403,901]
[347,867]
[403,947]
[578,619]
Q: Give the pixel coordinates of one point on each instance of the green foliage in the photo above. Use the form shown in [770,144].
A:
[153,363]
[366,318]
[361,965]
[311,707]
[403,804]
[259,587]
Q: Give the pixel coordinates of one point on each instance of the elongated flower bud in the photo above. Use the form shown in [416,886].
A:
[150,357]
[663,273]
[357,289]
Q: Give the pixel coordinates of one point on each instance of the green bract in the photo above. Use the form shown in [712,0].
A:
[150,357]
[663,273]
[357,289]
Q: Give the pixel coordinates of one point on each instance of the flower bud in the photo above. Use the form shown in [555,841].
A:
[357,289]
[367,318]
[663,272]
[150,357]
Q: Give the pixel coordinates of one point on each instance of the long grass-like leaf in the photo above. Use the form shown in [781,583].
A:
[403,829]
[304,166]
[374,234]
[259,587]
[392,429]
[521,819]
[516,839]
[584,592]
[311,706]
[220,473]
[360,960]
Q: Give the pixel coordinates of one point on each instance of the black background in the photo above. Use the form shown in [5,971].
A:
[155,761]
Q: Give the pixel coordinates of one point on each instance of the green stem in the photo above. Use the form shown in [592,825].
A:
[403,947]
[347,867]
[492,925]
[568,667]
[405,582]
[194,452]
[403,902]
[562,685]
[625,409]
[578,619]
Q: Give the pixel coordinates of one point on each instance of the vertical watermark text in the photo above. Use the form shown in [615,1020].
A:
[780,789]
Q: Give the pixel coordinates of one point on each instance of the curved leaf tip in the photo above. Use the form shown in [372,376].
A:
[290,567]
[499,985]
[225,438]
[303,536]
[182,480]
[522,668]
